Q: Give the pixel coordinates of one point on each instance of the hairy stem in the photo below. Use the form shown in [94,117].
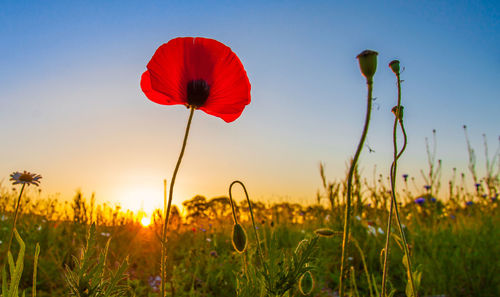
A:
[347,221]
[261,254]
[169,204]
[16,212]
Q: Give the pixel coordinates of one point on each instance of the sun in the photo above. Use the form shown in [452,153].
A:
[145,221]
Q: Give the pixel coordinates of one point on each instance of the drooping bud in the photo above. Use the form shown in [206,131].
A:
[326,232]
[239,238]
[306,283]
[394,66]
[368,64]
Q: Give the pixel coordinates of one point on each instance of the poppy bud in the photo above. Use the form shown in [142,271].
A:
[325,232]
[394,66]
[395,112]
[306,283]
[239,238]
[368,64]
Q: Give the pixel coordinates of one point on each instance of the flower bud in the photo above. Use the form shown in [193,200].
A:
[368,64]
[325,232]
[395,112]
[394,66]
[306,283]
[239,238]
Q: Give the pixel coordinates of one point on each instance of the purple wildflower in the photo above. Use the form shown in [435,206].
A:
[427,187]
[433,199]
[420,200]
[469,203]
[405,177]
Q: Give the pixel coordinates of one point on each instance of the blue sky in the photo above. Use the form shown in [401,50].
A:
[71,108]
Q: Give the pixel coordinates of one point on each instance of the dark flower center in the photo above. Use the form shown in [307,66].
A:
[197,92]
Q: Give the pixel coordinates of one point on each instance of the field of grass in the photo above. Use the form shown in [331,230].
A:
[453,243]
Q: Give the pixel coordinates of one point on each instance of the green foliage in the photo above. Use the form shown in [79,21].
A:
[16,270]
[11,289]
[90,277]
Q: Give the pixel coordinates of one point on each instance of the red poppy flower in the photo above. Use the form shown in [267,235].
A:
[198,72]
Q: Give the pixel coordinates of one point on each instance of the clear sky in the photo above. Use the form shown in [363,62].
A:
[71,108]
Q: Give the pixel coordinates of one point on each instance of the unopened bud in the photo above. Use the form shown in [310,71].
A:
[368,64]
[398,114]
[325,232]
[239,238]
[394,66]
[306,283]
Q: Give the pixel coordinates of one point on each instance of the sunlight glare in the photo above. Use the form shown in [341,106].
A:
[146,221]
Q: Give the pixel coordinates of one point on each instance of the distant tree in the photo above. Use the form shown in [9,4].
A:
[196,208]
[219,208]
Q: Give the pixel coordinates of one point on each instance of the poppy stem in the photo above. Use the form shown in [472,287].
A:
[393,171]
[15,218]
[348,206]
[169,204]
[394,205]
[261,254]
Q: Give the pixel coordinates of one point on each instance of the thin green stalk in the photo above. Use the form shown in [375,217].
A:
[394,206]
[170,196]
[15,218]
[403,236]
[261,254]
[347,221]
[365,266]
[162,262]
[393,179]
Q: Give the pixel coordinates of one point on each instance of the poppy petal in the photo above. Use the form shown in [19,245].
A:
[185,59]
[154,95]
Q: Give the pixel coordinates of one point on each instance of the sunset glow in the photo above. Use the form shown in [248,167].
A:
[145,221]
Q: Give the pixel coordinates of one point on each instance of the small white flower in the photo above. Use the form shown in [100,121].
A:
[350,258]
[209,239]
[39,227]
[25,178]
[358,218]
[380,230]
[1,242]
[327,218]
[372,230]
[105,234]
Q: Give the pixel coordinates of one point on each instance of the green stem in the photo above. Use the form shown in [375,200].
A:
[394,207]
[170,196]
[393,179]
[347,221]
[261,254]
[403,236]
[15,218]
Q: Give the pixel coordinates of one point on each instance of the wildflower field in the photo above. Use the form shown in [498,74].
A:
[453,242]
